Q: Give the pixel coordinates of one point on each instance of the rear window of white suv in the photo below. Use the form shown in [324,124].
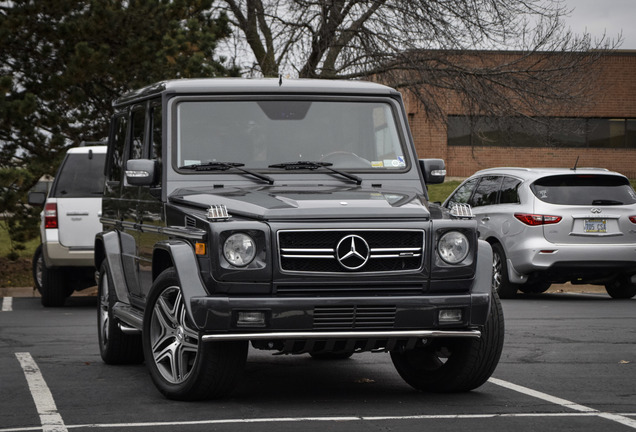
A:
[584,189]
[81,175]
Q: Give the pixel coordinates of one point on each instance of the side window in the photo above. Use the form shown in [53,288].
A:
[509,191]
[462,195]
[138,132]
[156,127]
[116,150]
[486,192]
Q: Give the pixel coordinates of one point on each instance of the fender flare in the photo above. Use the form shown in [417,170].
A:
[482,286]
[107,247]
[184,261]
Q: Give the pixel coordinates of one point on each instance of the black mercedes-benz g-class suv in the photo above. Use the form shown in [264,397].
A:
[292,215]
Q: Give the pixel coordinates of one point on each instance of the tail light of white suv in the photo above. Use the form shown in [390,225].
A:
[537,219]
[50,216]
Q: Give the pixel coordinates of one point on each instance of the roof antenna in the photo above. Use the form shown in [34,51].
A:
[280,80]
[575,164]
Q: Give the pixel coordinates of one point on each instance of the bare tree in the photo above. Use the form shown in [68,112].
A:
[426,47]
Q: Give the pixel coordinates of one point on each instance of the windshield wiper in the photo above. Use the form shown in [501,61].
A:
[224,166]
[316,165]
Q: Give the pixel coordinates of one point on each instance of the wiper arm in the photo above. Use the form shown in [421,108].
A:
[315,165]
[224,166]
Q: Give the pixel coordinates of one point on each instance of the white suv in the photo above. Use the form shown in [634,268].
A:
[63,263]
[555,225]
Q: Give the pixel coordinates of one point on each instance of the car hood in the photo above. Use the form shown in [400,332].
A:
[276,202]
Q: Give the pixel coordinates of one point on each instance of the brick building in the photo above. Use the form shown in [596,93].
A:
[603,134]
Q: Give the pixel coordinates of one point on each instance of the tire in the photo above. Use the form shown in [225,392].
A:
[535,288]
[55,289]
[115,346]
[454,364]
[500,282]
[37,265]
[182,367]
[621,288]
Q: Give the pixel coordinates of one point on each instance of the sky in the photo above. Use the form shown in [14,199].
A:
[604,16]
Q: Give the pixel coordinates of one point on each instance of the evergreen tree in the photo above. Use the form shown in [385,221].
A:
[62,62]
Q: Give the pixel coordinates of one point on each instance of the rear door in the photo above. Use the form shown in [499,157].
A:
[595,208]
[78,191]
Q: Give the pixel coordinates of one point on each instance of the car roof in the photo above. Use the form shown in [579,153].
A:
[535,173]
[258,85]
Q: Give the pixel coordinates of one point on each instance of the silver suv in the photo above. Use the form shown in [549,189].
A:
[555,225]
[63,263]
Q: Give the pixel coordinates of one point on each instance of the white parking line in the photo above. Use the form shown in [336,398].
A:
[7,304]
[52,421]
[564,403]
[44,403]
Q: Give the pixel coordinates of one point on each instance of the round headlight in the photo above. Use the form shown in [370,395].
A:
[453,247]
[239,249]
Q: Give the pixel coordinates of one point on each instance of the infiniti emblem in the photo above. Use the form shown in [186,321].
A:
[352,252]
[596,210]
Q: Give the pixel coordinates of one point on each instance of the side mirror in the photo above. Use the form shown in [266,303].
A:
[37,198]
[434,170]
[141,172]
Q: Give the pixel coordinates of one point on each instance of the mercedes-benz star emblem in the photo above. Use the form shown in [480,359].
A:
[352,252]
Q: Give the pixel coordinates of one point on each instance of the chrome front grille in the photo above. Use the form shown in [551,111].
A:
[346,251]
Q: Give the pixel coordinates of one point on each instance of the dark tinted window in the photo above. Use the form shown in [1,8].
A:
[509,191]
[81,175]
[582,189]
[487,190]
[116,151]
[138,133]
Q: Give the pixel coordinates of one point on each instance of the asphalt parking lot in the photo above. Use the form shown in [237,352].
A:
[569,363]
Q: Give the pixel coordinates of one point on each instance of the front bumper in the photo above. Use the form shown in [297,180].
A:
[311,318]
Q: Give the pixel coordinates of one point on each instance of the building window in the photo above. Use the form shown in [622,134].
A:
[541,132]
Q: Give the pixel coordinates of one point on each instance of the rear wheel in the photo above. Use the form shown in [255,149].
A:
[115,346]
[500,282]
[621,288]
[181,365]
[455,364]
[55,289]
[535,288]
[36,268]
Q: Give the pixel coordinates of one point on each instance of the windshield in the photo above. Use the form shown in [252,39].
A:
[349,135]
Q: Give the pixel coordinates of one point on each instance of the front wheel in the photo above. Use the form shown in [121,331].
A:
[454,364]
[181,365]
[621,288]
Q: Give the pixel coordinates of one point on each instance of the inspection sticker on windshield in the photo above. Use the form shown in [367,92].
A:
[595,226]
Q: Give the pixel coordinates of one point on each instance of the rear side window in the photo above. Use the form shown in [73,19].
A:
[509,191]
[584,189]
[80,176]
